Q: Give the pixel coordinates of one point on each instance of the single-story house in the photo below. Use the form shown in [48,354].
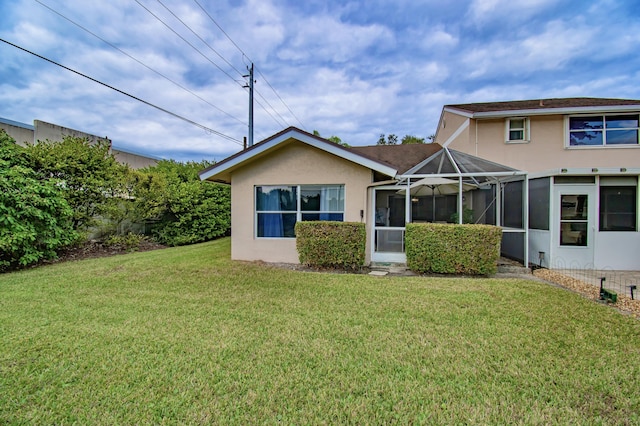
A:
[294,175]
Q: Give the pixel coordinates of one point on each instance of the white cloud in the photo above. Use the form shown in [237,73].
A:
[439,38]
[483,11]
[326,38]
[558,43]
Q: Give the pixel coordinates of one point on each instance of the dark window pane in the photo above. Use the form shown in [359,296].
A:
[309,199]
[573,234]
[622,137]
[585,138]
[618,211]
[574,207]
[512,202]
[573,179]
[516,135]
[539,203]
[322,198]
[515,124]
[336,217]
[585,123]
[276,225]
[276,198]
[621,121]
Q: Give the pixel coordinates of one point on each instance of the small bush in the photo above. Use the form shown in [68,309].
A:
[453,249]
[328,244]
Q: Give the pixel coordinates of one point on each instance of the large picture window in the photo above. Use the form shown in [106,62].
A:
[603,130]
[278,208]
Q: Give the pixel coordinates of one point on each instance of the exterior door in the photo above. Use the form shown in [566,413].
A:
[388,226]
[574,226]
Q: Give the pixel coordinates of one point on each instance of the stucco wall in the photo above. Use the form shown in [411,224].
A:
[53,132]
[293,164]
[19,134]
[133,160]
[546,149]
[449,124]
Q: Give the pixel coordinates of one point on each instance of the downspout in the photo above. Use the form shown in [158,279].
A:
[475,124]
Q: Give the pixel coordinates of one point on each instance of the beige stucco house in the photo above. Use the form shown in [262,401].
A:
[583,160]
[295,176]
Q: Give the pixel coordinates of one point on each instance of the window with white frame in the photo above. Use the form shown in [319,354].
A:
[517,130]
[279,207]
[603,130]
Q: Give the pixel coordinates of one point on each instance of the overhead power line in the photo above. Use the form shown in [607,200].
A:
[279,123]
[141,63]
[247,56]
[200,38]
[189,43]
[207,129]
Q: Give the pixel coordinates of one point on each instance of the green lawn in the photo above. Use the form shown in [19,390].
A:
[184,335]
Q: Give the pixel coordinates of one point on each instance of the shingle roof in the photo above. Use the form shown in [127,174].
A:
[400,157]
[534,104]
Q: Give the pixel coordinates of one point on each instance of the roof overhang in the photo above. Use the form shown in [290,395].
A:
[221,172]
[544,111]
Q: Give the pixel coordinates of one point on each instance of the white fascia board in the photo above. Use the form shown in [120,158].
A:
[459,112]
[583,171]
[556,111]
[302,137]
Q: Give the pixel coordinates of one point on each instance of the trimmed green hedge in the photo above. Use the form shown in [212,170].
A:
[453,249]
[327,244]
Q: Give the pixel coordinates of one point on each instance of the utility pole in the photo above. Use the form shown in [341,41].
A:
[250,86]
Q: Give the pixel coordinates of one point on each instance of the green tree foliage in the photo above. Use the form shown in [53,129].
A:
[35,219]
[409,139]
[392,139]
[333,138]
[185,209]
[387,140]
[89,174]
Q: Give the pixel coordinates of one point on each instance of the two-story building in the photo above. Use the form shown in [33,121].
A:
[583,160]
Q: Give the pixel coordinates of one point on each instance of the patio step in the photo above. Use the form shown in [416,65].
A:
[389,268]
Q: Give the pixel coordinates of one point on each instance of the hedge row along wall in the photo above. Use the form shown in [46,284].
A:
[453,249]
[327,244]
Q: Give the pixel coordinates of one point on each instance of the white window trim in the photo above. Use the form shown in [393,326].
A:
[567,132]
[298,212]
[507,131]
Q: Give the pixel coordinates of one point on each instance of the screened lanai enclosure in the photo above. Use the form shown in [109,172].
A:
[452,187]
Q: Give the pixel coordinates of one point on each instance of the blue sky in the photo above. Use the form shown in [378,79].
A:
[354,69]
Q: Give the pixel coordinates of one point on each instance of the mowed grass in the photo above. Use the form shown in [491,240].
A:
[186,336]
